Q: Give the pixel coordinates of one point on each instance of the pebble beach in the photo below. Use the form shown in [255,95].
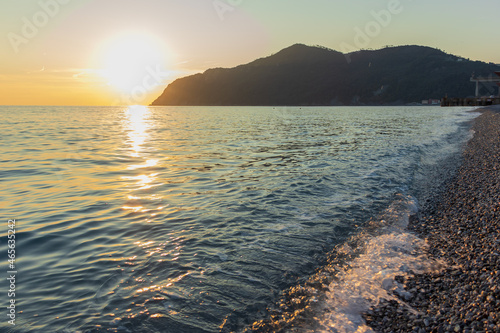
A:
[462,228]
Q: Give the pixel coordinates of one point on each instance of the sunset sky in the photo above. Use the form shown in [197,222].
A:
[120,52]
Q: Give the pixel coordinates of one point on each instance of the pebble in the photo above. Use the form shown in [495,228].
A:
[462,227]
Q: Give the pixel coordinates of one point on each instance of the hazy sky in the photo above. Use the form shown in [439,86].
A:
[115,52]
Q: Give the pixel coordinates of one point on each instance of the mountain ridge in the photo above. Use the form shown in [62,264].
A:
[302,75]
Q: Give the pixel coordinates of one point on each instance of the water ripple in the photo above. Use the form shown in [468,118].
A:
[138,219]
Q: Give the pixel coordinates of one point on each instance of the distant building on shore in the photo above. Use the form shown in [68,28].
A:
[431,102]
[490,99]
[486,82]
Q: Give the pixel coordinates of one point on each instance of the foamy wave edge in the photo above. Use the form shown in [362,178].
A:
[360,273]
[371,276]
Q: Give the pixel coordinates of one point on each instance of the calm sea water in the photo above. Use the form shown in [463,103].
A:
[196,219]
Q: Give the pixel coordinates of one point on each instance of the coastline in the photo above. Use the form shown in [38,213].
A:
[462,228]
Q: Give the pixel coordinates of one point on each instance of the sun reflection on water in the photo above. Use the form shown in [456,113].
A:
[145,181]
[140,176]
[147,164]
[137,125]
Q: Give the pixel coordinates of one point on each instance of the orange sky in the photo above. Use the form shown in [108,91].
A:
[120,52]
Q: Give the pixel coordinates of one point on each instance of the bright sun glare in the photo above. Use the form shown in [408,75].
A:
[130,58]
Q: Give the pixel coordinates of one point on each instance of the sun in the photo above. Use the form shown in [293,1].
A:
[131,59]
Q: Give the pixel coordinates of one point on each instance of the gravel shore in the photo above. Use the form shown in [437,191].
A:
[462,227]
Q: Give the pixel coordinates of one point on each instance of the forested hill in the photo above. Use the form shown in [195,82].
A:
[305,75]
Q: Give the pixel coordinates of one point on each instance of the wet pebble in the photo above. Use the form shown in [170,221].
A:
[461,227]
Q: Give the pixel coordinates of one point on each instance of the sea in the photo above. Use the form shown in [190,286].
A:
[215,219]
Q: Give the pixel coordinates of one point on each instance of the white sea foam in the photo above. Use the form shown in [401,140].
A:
[371,276]
[242,201]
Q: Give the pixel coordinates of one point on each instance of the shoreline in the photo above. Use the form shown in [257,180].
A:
[462,228]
